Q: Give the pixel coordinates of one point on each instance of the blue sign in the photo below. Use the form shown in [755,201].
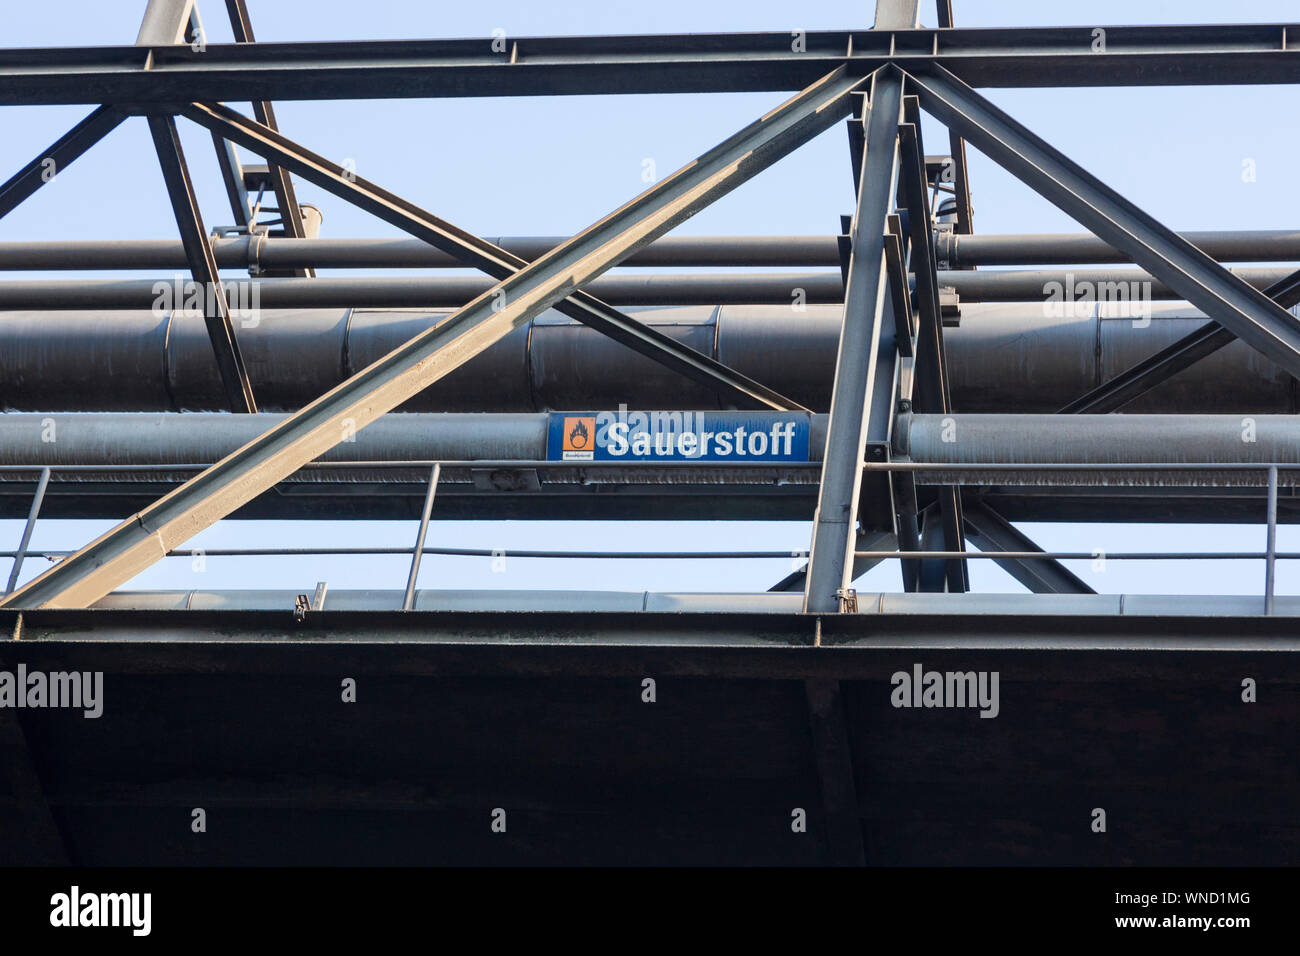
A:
[678,436]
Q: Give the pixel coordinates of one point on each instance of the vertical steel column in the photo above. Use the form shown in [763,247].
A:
[409,599]
[862,404]
[930,372]
[232,171]
[37,499]
[281,184]
[232,177]
[203,266]
[957,146]
[863,394]
[1270,556]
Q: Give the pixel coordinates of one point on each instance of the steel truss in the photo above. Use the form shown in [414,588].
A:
[892,354]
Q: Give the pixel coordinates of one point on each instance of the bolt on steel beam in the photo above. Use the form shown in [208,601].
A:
[145,538]
[481,254]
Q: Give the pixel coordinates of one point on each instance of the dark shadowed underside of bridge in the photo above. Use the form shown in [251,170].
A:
[541,715]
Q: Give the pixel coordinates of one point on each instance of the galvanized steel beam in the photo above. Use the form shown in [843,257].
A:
[862,397]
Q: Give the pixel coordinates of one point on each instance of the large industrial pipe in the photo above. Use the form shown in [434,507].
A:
[275,254]
[115,438]
[1005,358]
[1098,439]
[1037,285]
[98,439]
[1279,245]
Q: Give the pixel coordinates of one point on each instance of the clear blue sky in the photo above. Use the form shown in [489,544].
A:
[553,165]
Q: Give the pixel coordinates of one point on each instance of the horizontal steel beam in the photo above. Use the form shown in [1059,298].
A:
[1051,637]
[691,63]
[650,602]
